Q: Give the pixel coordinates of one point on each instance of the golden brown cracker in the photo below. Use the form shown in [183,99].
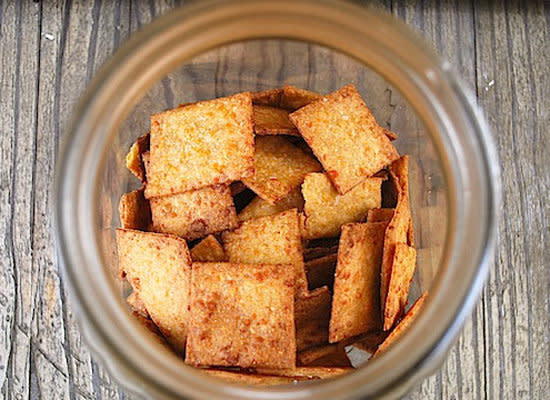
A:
[258,207]
[202,144]
[279,167]
[242,315]
[196,213]
[272,121]
[345,137]
[396,232]
[158,266]
[293,98]
[312,314]
[274,239]
[403,325]
[380,215]
[326,210]
[134,210]
[404,265]
[269,97]
[134,160]
[356,300]
[320,271]
[208,249]
[331,355]
[249,378]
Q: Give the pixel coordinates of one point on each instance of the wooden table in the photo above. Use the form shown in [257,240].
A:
[50,50]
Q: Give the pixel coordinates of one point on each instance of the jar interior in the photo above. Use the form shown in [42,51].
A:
[271,63]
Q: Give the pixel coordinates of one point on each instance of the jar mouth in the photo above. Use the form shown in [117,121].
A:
[459,133]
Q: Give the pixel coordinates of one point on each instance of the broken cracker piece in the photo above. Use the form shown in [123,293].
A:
[331,355]
[403,325]
[202,144]
[258,207]
[326,211]
[293,98]
[272,121]
[279,167]
[242,315]
[312,315]
[404,265]
[134,210]
[134,160]
[396,232]
[269,97]
[356,300]
[208,249]
[345,137]
[320,271]
[196,213]
[158,266]
[274,239]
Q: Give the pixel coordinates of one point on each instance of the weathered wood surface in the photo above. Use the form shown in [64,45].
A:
[49,51]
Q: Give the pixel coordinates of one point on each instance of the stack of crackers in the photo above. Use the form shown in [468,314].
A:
[272,231]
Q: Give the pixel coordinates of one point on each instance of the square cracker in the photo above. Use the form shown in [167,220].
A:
[279,167]
[274,239]
[356,299]
[399,225]
[326,210]
[331,355]
[258,207]
[134,210]
[404,265]
[272,121]
[208,249]
[196,213]
[202,144]
[242,315]
[311,315]
[293,98]
[269,97]
[134,160]
[345,137]
[403,325]
[158,266]
[320,271]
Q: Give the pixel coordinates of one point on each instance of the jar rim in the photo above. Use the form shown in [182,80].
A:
[456,125]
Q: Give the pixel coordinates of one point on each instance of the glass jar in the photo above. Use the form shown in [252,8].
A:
[216,48]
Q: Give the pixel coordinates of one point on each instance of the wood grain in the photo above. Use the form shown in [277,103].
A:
[49,51]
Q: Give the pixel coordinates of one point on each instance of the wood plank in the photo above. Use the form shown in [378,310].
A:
[513,86]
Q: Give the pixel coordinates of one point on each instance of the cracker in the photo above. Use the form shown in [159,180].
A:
[196,213]
[293,98]
[312,253]
[396,231]
[134,160]
[312,314]
[345,137]
[307,372]
[158,266]
[242,315]
[134,210]
[272,121]
[274,239]
[403,325]
[404,264]
[332,355]
[248,378]
[380,215]
[258,207]
[279,167]
[320,271]
[208,249]
[137,304]
[356,300]
[202,144]
[326,210]
[270,97]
